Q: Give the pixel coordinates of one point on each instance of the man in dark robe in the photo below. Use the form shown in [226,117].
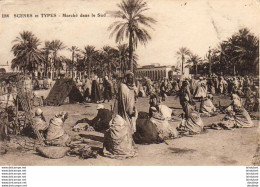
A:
[185,95]
[101,122]
[107,84]
[163,90]
[95,91]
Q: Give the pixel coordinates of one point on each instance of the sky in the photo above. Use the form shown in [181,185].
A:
[195,24]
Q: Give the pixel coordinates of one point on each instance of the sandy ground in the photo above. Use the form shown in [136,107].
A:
[223,147]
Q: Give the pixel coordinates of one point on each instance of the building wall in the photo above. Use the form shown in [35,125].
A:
[6,67]
[154,73]
[160,72]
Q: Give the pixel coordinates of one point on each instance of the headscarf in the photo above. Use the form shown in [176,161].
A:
[210,96]
[235,97]
[129,85]
[63,115]
[129,73]
[155,96]
[237,103]
[38,112]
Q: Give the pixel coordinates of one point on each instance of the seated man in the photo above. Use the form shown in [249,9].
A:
[158,127]
[207,107]
[45,83]
[39,121]
[236,116]
[101,122]
[40,81]
[37,100]
[191,123]
[56,135]
[240,92]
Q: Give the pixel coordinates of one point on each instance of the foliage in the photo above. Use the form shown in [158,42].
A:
[239,54]
[130,24]
[193,61]
[27,56]
[182,54]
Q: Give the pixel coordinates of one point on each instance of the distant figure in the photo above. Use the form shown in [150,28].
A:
[185,95]
[87,88]
[201,90]
[191,122]
[236,116]
[95,91]
[45,84]
[163,90]
[37,100]
[107,84]
[207,107]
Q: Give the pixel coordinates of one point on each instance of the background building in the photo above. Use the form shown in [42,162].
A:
[5,68]
[157,72]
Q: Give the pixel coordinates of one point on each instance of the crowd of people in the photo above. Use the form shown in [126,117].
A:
[40,83]
[124,126]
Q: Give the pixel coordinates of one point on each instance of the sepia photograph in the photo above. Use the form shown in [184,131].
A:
[129,83]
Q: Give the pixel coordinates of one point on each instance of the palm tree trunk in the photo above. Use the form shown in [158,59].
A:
[131,67]
[196,70]
[182,63]
[109,66]
[46,64]
[84,69]
[121,68]
[72,63]
[89,61]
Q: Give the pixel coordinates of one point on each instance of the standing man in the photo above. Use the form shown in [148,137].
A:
[95,90]
[185,95]
[163,90]
[87,88]
[119,138]
[107,84]
[126,101]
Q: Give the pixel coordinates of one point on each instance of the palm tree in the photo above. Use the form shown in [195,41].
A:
[26,52]
[247,52]
[123,57]
[101,65]
[56,46]
[242,33]
[68,63]
[89,52]
[129,25]
[194,59]
[182,54]
[74,51]
[110,57]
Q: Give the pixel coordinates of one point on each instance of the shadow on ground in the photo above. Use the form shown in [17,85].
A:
[176,150]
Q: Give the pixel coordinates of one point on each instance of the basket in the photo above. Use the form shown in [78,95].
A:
[53,151]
